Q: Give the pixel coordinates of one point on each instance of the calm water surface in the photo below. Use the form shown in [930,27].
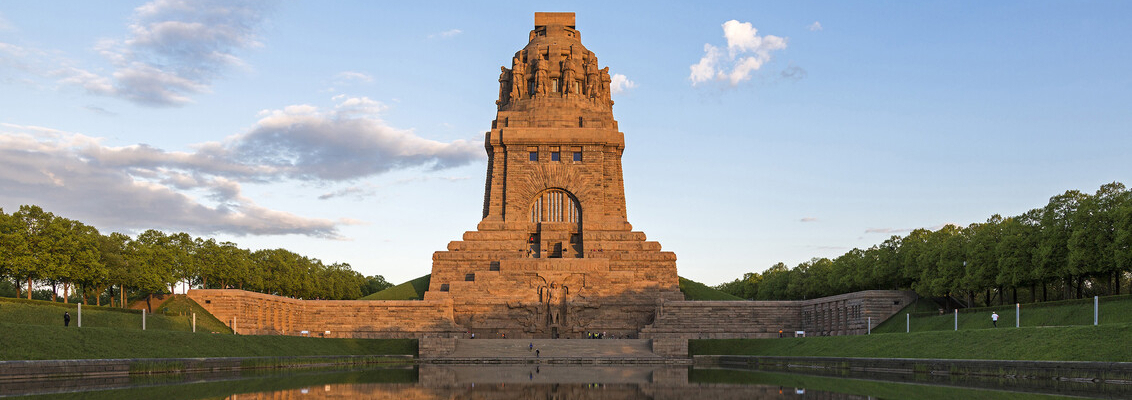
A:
[427,382]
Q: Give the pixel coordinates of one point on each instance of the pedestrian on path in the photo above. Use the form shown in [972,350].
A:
[531,346]
[994,318]
[536,354]
[66,318]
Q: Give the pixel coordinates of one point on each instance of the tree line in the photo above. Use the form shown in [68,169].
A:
[38,248]
[1078,244]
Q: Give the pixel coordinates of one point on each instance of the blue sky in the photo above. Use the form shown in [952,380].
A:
[352,131]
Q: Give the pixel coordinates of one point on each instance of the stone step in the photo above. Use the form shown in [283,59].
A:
[553,348]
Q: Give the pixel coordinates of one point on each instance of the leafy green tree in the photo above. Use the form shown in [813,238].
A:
[1092,247]
[1053,243]
[377,283]
[34,257]
[1015,251]
[113,254]
[982,259]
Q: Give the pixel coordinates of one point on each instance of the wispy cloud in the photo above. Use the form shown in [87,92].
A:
[888,230]
[201,190]
[793,73]
[808,219]
[100,111]
[746,52]
[620,83]
[445,34]
[814,27]
[353,77]
[175,49]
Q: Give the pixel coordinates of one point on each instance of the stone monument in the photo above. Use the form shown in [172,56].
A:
[555,255]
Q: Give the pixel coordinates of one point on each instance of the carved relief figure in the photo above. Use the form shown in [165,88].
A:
[542,77]
[504,85]
[604,95]
[591,77]
[518,78]
[568,73]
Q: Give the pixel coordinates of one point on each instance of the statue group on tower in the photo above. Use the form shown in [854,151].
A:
[542,77]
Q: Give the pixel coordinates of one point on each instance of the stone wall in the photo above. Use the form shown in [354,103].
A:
[251,313]
[845,314]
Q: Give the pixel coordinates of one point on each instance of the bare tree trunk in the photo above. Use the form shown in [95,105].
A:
[66,292]
[17,286]
[149,305]
[1044,293]
[54,294]
[1015,298]
[122,292]
[29,287]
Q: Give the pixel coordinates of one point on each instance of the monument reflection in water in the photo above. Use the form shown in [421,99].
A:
[547,382]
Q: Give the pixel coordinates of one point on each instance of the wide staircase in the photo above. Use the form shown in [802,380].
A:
[557,351]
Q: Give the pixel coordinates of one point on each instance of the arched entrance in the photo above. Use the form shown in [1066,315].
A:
[558,225]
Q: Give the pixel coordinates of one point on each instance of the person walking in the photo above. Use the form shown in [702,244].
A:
[531,346]
[66,318]
[994,319]
[536,353]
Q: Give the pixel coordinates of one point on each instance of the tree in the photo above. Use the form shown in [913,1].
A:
[775,281]
[377,283]
[112,253]
[1015,250]
[982,258]
[1053,241]
[34,257]
[1092,247]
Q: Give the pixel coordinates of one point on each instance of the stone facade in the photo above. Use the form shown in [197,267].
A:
[846,314]
[250,313]
[554,255]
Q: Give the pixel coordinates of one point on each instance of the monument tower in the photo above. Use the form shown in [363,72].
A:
[555,255]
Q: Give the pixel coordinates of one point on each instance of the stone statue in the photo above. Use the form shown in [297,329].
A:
[555,299]
[542,77]
[504,85]
[591,77]
[568,73]
[518,79]
[603,92]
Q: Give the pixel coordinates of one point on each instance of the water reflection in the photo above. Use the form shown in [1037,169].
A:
[531,381]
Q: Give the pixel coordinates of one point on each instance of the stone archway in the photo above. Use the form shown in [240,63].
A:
[557,220]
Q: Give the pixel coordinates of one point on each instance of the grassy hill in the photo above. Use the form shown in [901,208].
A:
[697,291]
[1070,343]
[411,290]
[925,315]
[36,342]
[174,315]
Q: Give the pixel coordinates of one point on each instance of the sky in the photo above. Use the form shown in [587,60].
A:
[756,132]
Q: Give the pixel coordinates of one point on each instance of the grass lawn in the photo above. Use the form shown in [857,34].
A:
[1113,310]
[1070,343]
[38,342]
[697,291]
[175,315]
[411,290]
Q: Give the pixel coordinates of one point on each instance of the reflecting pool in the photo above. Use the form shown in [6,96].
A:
[543,381]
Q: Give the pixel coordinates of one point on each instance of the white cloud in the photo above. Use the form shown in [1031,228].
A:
[620,83]
[816,26]
[346,77]
[174,50]
[808,219]
[140,186]
[446,34]
[747,52]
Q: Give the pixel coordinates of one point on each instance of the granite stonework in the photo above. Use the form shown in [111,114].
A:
[554,255]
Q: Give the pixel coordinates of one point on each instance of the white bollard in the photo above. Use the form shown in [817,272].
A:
[1096,311]
[870,326]
[143,319]
[907,323]
[956,319]
[1017,315]
[194,322]
[80,315]
[234,325]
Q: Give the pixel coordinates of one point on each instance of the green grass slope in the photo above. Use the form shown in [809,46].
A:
[411,290]
[175,315]
[697,291]
[1070,343]
[36,342]
[1113,310]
